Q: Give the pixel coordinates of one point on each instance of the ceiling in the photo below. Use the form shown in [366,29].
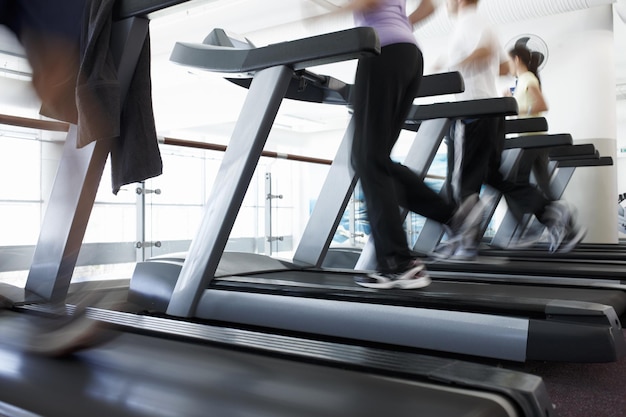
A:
[211,105]
[204,106]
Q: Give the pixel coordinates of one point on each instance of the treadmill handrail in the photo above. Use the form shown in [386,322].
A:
[591,155]
[526,125]
[297,54]
[586,162]
[538,141]
[441,84]
[466,109]
[572,150]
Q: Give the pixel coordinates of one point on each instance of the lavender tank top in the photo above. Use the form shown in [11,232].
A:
[390,22]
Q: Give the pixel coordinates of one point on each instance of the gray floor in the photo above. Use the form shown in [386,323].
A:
[583,390]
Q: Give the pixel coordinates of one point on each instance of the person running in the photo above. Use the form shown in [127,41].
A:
[50,32]
[477,144]
[384,89]
[531,103]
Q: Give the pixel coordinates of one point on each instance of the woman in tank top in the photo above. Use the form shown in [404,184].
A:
[384,89]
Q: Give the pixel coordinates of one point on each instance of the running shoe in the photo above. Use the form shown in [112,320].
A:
[412,276]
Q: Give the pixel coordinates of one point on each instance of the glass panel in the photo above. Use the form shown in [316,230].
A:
[183,178]
[20,201]
[295,186]
[20,167]
[111,223]
[19,223]
[126,194]
[174,200]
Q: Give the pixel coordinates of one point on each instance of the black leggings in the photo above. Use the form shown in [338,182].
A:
[483,144]
[384,89]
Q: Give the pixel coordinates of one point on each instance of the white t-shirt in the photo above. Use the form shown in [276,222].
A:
[472,31]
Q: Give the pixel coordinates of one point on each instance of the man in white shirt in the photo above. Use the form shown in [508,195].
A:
[475,145]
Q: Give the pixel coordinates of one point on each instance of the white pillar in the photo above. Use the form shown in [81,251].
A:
[583,83]
[619,23]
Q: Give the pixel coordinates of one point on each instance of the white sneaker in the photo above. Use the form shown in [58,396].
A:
[412,276]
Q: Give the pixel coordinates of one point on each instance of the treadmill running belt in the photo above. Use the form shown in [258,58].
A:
[140,375]
[531,299]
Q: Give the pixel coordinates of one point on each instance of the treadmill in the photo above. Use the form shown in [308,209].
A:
[581,272]
[299,296]
[162,366]
[512,155]
[157,366]
[574,279]
[581,267]
[564,161]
